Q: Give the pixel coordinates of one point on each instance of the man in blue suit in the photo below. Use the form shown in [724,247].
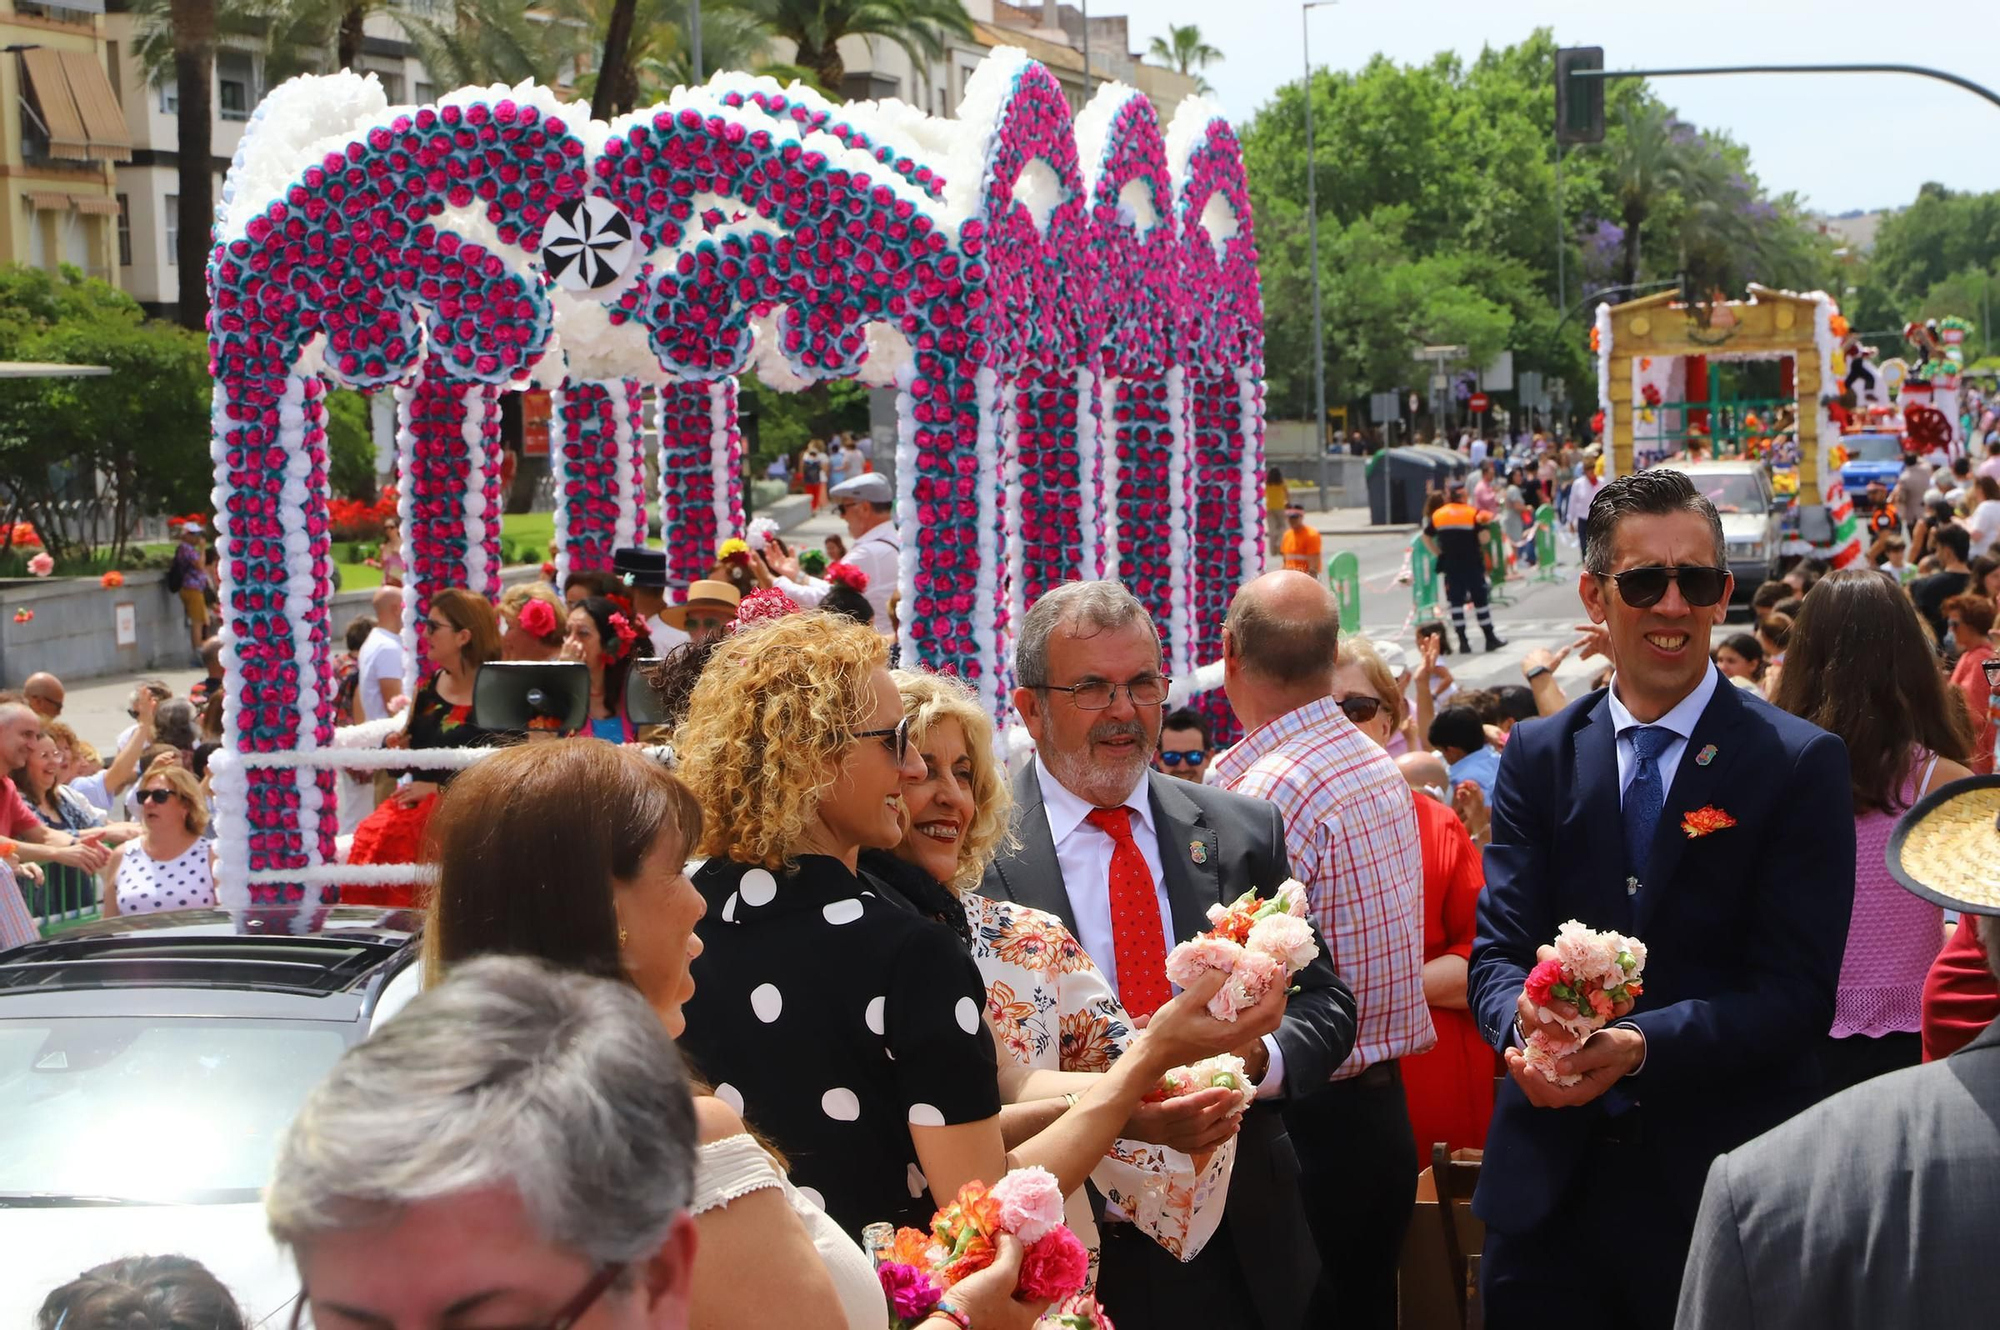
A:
[1589,1193]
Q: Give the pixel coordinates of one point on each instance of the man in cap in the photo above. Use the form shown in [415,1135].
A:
[705,613]
[1875,1207]
[643,574]
[865,503]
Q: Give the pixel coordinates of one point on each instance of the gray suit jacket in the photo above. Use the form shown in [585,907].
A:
[1877,1207]
[1244,847]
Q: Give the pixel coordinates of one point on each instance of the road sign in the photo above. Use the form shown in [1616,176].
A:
[1382,407]
[1478,402]
[1413,404]
[1530,383]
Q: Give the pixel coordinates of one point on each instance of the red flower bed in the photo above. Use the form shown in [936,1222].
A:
[352,519]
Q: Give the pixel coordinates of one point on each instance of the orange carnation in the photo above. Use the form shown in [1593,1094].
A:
[1702,821]
[113,579]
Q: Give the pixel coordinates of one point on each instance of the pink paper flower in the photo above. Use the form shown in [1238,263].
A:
[42,565]
[1031,1203]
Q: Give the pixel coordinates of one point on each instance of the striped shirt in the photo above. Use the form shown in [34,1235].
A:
[1351,836]
[17,926]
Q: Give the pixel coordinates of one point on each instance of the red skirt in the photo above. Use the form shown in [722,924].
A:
[1450,1088]
[392,834]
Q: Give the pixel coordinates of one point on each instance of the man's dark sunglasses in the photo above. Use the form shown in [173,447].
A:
[1700,586]
[896,739]
[1360,709]
[1173,757]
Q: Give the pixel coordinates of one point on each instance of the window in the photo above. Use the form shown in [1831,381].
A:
[236,84]
[117,73]
[426,93]
[124,230]
[170,97]
[391,78]
[172,213]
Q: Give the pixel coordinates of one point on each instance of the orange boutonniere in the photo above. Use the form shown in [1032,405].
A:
[1704,820]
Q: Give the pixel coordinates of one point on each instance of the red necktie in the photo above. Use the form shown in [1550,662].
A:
[1138,938]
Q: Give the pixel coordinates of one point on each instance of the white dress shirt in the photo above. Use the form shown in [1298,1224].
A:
[1681,720]
[1084,855]
[876,553]
[664,636]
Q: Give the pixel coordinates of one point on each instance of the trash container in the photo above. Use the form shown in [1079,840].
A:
[1400,478]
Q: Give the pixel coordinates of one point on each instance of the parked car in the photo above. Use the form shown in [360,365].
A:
[149,1067]
[1752,517]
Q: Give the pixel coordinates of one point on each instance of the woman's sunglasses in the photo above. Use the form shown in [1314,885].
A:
[1642,587]
[154,796]
[1360,708]
[896,739]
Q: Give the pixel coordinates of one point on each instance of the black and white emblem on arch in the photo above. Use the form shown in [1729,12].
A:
[588,244]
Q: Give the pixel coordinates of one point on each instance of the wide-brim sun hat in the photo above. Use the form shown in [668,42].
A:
[1946,849]
[703,595]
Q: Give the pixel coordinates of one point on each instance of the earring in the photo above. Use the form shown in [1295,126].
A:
[622,935]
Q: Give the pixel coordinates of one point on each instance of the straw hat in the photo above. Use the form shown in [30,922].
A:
[705,595]
[1946,849]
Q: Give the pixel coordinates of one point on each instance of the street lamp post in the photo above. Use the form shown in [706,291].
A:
[1312,229]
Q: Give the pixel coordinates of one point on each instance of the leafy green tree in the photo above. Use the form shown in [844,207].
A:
[815,27]
[783,422]
[113,446]
[1185,51]
[350,446]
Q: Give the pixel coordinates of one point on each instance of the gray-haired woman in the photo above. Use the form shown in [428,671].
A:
[516,1136]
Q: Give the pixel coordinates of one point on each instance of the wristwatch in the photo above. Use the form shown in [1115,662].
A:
[1537,672]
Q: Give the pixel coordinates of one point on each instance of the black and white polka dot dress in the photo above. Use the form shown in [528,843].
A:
[147,885]
[833,1019]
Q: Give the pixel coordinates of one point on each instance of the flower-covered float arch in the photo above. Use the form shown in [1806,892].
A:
[1015,293]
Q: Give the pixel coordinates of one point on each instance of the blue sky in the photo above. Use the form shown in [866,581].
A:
[1841,141]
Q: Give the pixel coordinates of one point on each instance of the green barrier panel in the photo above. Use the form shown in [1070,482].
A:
[1496,563]
[1344,576]
[1423,579]
[1545,544]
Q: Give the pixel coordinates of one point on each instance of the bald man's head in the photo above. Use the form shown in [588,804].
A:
[1425,771]
[388,605]
[44,692]
[1284,627]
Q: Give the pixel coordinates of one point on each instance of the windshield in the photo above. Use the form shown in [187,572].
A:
[1873,447]
[1732,491]
[141,1109]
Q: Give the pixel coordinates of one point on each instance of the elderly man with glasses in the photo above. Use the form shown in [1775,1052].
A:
[1131,860]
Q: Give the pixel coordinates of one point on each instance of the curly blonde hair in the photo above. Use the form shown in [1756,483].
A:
[766,729]
[932,699]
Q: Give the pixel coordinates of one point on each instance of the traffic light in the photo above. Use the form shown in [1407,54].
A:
[1579,101]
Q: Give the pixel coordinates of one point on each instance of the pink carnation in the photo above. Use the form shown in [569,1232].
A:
[42,565]
[911,1292]
[1054,1267]
[1252,978]
[1031,1203]
[1188,961]
[1288,938]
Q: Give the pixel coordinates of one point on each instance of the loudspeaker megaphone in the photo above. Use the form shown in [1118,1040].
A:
[515,696]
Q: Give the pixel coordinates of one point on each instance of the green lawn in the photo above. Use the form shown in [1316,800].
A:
[532,529]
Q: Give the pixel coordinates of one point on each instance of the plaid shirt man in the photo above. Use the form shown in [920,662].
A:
[17,926]
[1351,835]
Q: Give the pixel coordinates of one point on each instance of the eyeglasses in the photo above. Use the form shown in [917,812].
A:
[1700,586]
[437,627]
[1096,695]
[572,1312]
[706,623]
[896,739]
[154,796]
[1173,757]
[1359,708]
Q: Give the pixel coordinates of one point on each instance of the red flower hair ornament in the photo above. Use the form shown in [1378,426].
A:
[847,575]
[627,635]
[536,618]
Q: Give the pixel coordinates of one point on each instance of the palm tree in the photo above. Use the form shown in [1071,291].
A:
[657,57]
[1184,50]
[1649,163]
[487,41]
[176,43]
[815,27]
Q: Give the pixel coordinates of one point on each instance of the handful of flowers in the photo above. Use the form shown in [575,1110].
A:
[917,1268]
[1592,972]
[1224,1071]
[1256,941]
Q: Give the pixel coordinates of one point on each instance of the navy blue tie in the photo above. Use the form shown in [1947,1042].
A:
[1646,795]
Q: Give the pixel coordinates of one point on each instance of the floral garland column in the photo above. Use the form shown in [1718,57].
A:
[599,473]
[1226,430]
[1044,481]
[1147,549]
[275,552]
[449,443]
[701,476]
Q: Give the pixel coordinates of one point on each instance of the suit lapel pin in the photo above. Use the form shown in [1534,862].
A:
[1705,756]
[1198,851]
[1631,886]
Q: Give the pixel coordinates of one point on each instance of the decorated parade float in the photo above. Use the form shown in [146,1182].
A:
[1842,424]
[1068,312]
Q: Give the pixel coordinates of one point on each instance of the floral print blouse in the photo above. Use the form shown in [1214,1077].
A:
[1050,1008]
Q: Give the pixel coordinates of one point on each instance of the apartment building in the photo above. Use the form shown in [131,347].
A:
[148,205]
[61,144]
